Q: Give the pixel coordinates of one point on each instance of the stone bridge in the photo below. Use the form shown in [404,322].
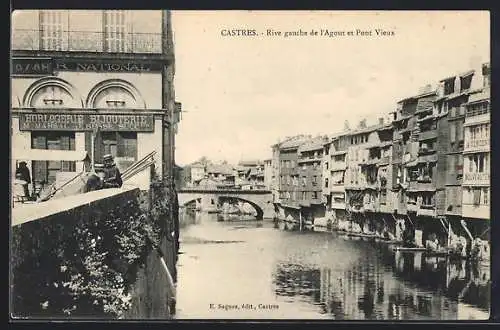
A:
[207,199]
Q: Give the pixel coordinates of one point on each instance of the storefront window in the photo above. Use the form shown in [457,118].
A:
[122,145]
[45,171]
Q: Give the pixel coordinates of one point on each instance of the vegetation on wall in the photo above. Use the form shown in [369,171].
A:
[84,263]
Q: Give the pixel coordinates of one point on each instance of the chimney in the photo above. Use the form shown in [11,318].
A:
[381,121]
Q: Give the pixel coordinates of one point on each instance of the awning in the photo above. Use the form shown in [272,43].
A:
[49,155]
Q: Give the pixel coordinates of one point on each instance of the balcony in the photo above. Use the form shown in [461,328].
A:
[83,41]
[428,135]
[477,145]
[476,179]
[421,185]
[307,159]
[427,210]
[426,151]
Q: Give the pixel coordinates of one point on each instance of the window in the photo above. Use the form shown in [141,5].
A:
[45,171]
[115,30]
[485,196]
[120,144]
[314,180]
[460,131]
[315,195]
[53,23]
[465,82]
[449,86]
[326,165]
[304,196]
[452,133]
[326,183]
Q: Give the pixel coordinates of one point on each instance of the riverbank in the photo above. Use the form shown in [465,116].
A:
[316,275]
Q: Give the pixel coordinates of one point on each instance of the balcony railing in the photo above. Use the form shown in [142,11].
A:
[85,41]
[427,135]
[427,210]
[477,144]
[478,112]
[476,178]
[426,151]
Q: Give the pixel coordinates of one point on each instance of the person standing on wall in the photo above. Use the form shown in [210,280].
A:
[112,176]
[23,174]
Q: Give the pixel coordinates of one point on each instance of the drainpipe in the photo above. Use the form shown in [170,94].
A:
[300,220]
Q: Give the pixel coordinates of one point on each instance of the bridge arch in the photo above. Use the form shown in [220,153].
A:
[261,201]
[257,207]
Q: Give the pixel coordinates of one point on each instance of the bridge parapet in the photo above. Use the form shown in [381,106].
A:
[261,200]
[92,254]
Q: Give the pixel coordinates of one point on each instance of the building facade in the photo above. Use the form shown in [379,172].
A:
[333,176]
[309,178]
[477,160]
[424,171]
[95,82]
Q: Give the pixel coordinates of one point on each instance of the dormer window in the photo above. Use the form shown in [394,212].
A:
[465,82]
[449,86]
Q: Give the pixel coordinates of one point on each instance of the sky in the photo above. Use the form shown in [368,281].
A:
[242,94]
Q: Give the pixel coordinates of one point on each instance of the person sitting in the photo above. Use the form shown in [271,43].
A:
[112,176]
[432,243]
[23,177]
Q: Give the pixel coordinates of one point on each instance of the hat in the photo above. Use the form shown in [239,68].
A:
[108,157]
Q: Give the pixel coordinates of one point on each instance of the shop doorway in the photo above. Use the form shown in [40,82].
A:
[121,145]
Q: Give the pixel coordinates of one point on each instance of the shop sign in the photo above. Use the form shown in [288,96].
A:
[89,65]
[22,66]
[86,122]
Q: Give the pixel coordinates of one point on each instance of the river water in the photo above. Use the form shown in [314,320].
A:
[237,267]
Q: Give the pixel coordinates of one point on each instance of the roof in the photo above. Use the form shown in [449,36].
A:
[483,95]
[196,164]
[368,129]
[250,162]
[419,96]
[220,168]
[293,142]
[313,144]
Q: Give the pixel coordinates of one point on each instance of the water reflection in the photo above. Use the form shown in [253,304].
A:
[337,277]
